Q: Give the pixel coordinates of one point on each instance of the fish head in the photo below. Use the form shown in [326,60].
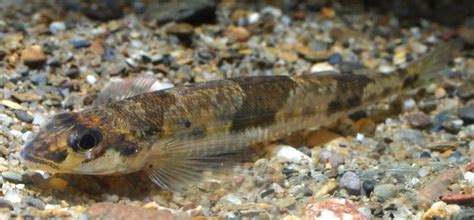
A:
[94,142]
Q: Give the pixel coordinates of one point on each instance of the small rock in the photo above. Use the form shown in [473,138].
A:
[106,210]
[286,153]
[368,187]
[3,54]
[351,182]
[467,114]
[408,105]
[335,59]
[385,191]
[425,154]
[24,116]
[57,26]
[58,183]
[239,34]
[323,67]
[194,12]
[333,208]
[33,56]
[285,202]
[35,202]
[13,176]
[419,120]
[469,176]
[466,89]
[6,204]
[410,136]
[73,72]
[440,93]
[80,43]
[10,104]
[441,210]
[91,79]
[386,68]
[13,196]
[230,199]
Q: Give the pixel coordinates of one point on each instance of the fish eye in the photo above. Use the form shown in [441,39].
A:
[86,140]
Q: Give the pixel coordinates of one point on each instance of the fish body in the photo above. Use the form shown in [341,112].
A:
[176,134]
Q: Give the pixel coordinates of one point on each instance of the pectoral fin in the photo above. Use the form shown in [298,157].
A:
[180,165]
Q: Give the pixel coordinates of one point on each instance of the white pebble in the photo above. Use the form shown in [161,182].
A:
[469,176]
[286,153]
[160,86]
[386,68]
[323,67]
[409,105]
[91,79]
[360,137]
[16,133]
[453,209]
[253,17]
[26,136]
[13,196]
[39,119]
[57,26]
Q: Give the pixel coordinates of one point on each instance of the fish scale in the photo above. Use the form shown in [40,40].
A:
[177,135]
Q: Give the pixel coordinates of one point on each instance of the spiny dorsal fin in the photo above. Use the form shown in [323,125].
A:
[124,88]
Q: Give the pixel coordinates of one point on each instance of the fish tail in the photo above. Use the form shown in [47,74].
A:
[431,66]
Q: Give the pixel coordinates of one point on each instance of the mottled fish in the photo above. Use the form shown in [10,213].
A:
[176,134]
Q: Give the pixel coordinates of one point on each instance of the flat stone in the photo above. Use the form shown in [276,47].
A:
[351,182]
[106,210]
[33,56]
[24,116]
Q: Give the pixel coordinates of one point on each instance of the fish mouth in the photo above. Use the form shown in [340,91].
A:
[33,162]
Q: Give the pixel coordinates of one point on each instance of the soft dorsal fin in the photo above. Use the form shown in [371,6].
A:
[124,88]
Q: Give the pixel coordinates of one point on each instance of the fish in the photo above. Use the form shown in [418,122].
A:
[179,134]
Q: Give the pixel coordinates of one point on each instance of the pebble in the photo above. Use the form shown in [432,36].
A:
[33,56]
[13,176]
[57,27]
[386,69]
[467,113]
[6,204]
[351,182]
[333,208]
[335,59]
[409,135]
[58,183]
[385,191]
[441,210]
[409,105]
[286,153]
[368,187]
[39,119]
[239,34]
[469,177]
[35,202]
[91,79]
[80,43]
[285,202]
[323,68]
[419,120]
[230,199]
[13,196]
[24,116]
[11,104]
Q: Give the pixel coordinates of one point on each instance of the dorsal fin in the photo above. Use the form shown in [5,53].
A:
[124,88]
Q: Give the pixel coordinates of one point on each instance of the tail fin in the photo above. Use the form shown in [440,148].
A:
[431,66]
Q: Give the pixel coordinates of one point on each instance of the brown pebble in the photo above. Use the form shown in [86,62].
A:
[419,120]
[364,126]
[58,183]
[97,47]
[431,192]
[33,56]
[440,93]
[460,199]
[238,34]
[320,137]
[469,167]
[106,210]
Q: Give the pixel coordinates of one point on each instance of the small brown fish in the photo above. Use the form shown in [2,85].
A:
[177,134]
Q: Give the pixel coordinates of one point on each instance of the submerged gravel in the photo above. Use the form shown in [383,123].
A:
[385,162]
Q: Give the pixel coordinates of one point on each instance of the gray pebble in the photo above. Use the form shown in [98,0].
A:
[351,182]
[3,81]
[24,116]
[467,114]
[6,204]
[37,203]
[80,43]
[14,177]
[57,26]
[385,191]
[409,135]
[419,120]
[40,78]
